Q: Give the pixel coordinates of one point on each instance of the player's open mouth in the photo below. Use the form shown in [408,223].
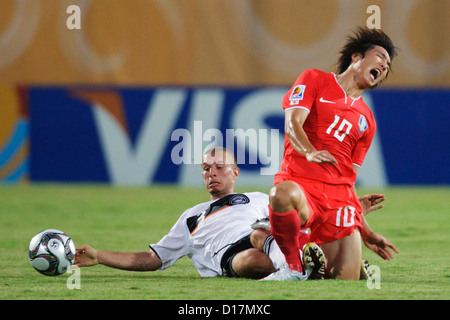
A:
[375,73]
[214,183]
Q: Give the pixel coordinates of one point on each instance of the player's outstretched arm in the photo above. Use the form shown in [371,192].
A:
[377,242]
[132,261]
[380,245]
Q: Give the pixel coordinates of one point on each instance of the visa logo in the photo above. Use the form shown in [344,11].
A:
[245,132]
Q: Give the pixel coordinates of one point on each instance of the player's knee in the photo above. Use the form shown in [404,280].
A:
[258,237]
[284,196]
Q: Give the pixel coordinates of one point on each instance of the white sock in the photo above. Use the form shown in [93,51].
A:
[272,249]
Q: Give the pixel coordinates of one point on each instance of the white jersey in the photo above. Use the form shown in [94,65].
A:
[205,231]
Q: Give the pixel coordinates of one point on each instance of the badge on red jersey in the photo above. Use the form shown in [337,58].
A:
[362,124]
[297,94]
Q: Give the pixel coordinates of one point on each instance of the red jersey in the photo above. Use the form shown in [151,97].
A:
[337,123]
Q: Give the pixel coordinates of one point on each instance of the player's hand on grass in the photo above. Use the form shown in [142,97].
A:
[86,256]
[370,202]
[380,245]
[321,157]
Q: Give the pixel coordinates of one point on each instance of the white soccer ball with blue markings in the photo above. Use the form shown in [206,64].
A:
[51,252]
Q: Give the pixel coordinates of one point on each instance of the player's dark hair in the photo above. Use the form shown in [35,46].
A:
[362,40]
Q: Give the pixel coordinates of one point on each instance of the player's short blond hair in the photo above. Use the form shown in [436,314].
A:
[230,158]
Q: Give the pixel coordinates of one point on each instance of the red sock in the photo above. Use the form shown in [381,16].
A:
[303,238]
[285,228]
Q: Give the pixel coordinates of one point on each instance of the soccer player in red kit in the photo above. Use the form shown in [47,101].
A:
[329,130]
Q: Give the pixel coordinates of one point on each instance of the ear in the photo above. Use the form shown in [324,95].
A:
[236,172]
[356,56]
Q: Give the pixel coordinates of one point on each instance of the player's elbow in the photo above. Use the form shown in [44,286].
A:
[147,261]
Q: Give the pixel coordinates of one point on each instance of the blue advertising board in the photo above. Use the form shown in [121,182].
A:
[414,129]
[141,135]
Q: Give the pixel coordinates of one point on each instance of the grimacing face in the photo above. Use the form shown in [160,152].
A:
[373,68]
[219,173]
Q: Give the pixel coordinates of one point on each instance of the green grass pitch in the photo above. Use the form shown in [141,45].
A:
[415,219]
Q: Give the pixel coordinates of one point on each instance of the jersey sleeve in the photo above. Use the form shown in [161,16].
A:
[363,146]
[175,244]
[303,92]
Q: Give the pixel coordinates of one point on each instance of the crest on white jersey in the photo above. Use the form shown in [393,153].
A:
[238,199]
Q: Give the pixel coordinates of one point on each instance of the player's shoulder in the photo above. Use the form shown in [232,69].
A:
[315,73]
[198,208]
[257,196]
[366,118]
[314,77]
[365,107]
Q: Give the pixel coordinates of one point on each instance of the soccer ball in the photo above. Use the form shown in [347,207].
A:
[51,252]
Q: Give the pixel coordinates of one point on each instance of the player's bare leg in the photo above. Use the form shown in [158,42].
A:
[287,196]
[288,211]
[252,263]
[344,257]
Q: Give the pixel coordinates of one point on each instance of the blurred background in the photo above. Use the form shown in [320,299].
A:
[101,103]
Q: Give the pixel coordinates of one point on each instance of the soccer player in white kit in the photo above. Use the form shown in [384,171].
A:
[216,235]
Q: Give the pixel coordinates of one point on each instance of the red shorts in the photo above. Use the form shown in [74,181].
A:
[334,210]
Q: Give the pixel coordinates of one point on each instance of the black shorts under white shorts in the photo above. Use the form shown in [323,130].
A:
[227,258]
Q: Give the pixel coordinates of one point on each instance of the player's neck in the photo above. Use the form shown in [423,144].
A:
[217,196]
[349,84]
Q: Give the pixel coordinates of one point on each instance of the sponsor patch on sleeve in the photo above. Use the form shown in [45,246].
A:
[297,94]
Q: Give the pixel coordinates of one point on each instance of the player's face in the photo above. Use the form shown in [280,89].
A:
[218,174]
[373,68]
